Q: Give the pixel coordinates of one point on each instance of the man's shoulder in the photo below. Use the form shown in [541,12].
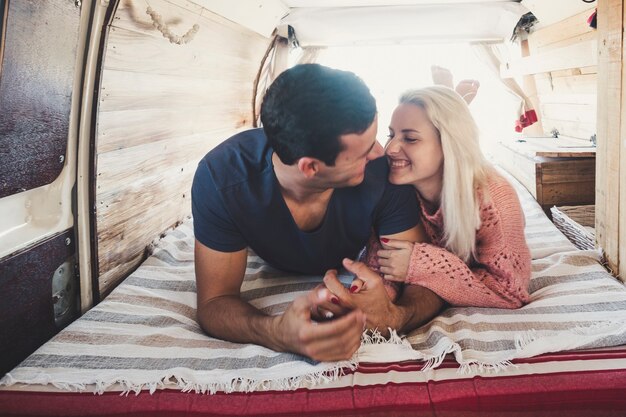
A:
[247,144]
[238,158]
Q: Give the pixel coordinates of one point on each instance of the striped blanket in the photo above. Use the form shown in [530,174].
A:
[144,335]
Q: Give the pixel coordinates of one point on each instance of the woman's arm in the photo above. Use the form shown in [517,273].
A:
[501,282]
[498,277]
[416,234]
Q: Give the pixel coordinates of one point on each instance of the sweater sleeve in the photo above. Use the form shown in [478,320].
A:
[500,274]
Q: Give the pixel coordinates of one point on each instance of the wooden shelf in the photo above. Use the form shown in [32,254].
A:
[549,147]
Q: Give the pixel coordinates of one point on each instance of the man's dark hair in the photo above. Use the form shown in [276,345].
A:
[309,106]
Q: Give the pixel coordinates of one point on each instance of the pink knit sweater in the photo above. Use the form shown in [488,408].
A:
[497,278]
[499,275]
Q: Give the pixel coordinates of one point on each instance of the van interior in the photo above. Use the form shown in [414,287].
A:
[107,106]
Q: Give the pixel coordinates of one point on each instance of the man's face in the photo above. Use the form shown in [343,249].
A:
[358,150]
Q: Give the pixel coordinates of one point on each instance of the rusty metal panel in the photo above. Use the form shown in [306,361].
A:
[38,64]
[27,302]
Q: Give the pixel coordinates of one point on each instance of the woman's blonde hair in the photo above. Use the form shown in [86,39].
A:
[465,169]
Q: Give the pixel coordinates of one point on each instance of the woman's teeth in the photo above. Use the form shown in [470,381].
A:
[399,164]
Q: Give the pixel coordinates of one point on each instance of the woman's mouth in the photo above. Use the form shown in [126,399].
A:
[398,163]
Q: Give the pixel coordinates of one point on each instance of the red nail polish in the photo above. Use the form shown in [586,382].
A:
[384,240]
[334,300]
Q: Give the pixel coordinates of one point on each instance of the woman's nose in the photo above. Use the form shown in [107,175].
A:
[391,147]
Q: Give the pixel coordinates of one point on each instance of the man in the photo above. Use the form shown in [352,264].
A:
[301,193]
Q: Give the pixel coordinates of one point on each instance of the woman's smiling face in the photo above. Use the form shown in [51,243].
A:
[414,149]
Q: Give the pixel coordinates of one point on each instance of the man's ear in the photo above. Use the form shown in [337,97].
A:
[309,166]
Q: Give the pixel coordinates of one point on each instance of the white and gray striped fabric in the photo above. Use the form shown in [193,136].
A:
[575,304]
[144,335]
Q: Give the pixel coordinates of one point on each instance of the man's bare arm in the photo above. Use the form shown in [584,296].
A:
[224,315]
[416,306]
[219,276]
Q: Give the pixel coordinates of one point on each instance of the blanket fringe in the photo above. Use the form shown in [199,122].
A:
[281,384]
[476,367]
[44,379]
[237,384]
[374,337]
[436,360]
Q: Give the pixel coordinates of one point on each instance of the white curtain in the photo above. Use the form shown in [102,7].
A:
[274,62]
[493,55]
[310,54]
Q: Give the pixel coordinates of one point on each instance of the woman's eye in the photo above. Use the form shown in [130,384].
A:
[410,140]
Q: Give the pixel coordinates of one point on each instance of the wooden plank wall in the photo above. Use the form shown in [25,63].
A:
[611,159]
[162,107]
[618,144]
[565,58]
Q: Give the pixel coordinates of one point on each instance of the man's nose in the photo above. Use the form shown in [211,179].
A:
[376,152]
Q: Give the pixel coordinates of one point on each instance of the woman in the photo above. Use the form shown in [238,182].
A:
[477,255]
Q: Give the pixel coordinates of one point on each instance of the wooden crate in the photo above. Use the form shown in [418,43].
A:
[554,172]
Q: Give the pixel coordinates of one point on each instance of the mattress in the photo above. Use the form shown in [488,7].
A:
[141,352]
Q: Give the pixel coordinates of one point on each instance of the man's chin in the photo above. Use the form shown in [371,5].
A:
[351,183]
[358,180]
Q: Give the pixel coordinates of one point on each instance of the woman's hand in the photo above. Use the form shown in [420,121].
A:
[371,299]
[327,307]
[394,259]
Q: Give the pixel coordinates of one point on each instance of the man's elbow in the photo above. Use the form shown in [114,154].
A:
[201,314]
[207,315]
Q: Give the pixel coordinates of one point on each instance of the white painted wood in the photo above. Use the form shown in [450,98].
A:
[361,3]
[549,12]
[589,99]
[582,54]
[261,16]
[611,127]
[566,32]
[575,85]
[404,24]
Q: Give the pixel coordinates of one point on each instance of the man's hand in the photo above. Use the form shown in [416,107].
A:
[224,315]
[329,308]
[372,297]
[329,341]
[416,306]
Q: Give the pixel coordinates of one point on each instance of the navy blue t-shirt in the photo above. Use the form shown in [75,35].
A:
[237,203]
